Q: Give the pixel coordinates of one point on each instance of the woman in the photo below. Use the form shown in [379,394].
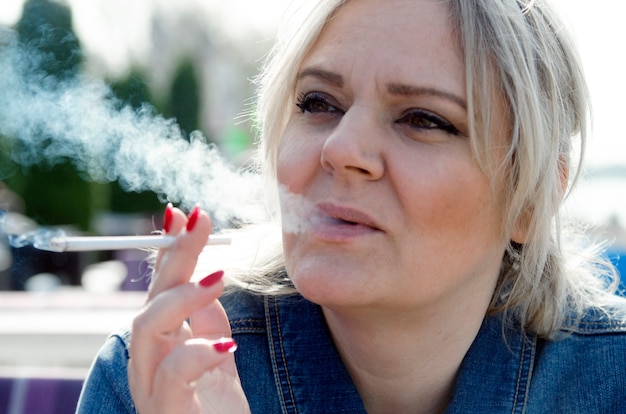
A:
[432,140]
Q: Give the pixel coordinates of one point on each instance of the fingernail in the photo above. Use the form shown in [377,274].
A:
[167,218]
[211,279]
[193,218]
[225,345]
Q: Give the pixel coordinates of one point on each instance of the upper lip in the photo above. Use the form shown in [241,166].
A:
[347,214]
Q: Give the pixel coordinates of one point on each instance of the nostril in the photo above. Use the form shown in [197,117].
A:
[360,170]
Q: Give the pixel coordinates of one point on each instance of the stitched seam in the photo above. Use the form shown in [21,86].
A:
[248,330]
[609,330]
[248,320]
[128,402]
[519,375]
[529,374]
[272,347]
[270,336]
[600,326]
[282,352]
[251,325]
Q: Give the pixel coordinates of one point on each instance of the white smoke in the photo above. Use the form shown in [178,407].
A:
[298,214]
[79,120]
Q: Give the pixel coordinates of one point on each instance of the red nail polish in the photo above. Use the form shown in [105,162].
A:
[225,345]
[193,218]
[211,279]
[167,218]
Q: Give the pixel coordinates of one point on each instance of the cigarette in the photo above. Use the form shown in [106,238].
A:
[76,244]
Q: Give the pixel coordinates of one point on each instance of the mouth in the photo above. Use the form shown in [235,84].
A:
[334,215]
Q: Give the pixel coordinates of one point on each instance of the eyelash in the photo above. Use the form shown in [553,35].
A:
[434,121]
[306,101]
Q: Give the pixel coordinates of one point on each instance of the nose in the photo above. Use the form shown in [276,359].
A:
[354,149]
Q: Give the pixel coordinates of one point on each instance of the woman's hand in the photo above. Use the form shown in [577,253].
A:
[181,350]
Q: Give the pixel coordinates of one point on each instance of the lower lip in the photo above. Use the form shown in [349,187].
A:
[339,231]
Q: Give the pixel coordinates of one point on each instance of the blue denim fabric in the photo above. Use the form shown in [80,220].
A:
[288,364]
[106,388]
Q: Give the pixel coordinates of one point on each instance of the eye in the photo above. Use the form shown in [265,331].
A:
[317,103]
[422,119]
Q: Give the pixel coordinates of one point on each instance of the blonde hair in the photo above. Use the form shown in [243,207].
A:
[520,50]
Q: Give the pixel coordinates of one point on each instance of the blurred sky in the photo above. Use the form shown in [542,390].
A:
[598,27]
[116,29]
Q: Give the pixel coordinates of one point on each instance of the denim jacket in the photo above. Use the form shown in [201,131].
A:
[288,363]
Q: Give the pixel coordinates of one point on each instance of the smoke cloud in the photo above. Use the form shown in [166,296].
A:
[79,120]
[298,214]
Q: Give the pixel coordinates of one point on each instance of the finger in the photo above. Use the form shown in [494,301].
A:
[174,384]
[177,263]
[174,221]
[159,327]
[211,322]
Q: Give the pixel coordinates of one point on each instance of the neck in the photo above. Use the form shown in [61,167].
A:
[404,361]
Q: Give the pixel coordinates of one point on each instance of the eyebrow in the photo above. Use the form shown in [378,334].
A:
[393,88]
[334,79]
[410,90]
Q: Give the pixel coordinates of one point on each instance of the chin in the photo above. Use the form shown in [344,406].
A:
[328,285]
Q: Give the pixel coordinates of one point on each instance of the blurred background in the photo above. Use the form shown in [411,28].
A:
[192,61]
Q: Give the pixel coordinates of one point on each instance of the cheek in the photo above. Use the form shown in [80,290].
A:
[475,213]
[297,163]
[297,158]
[450,194]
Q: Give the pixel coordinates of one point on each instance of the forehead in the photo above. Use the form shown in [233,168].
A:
[409,40]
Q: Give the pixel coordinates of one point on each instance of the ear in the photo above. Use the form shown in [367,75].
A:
[520,231]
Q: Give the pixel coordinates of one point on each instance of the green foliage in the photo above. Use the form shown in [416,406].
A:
[46,26]
[184,97]
[59,194]
[53,194]
[134,91]
[56,195]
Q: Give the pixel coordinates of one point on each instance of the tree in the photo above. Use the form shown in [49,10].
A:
[54,194]
[132,90]
[184,97]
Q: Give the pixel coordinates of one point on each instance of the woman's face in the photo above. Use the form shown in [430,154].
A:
[378,144]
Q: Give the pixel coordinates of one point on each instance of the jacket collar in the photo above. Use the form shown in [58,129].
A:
[307,366]
[494,375]
[496,372]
